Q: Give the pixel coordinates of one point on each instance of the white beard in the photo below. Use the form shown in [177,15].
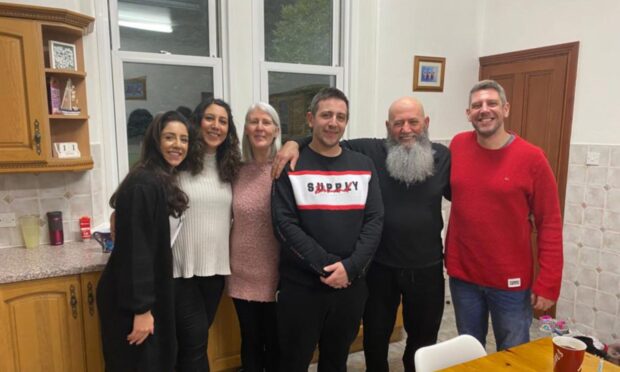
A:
[412,164]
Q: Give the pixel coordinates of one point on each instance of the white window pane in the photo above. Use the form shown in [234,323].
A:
[158,26]
[299,31]
[153,88]
[290,94]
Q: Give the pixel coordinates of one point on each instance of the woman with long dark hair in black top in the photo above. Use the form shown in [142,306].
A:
[135,295]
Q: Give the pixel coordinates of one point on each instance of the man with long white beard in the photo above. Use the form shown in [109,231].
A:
[410,163]
[414,174]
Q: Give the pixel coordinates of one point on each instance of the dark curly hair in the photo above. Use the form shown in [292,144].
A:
[152,160]
[228,154]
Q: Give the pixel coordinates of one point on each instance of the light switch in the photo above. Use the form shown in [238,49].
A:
[593,158]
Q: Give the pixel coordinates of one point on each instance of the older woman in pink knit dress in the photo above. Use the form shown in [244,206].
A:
[254,251]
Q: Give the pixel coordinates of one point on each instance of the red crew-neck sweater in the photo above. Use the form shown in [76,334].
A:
[494,193]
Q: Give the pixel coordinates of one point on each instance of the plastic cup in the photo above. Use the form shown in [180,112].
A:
[29,225]
[568,354]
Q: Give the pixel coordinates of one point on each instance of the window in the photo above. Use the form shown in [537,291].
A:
[299,31]
[169,53]
[165,54]
[175,85]
[301,53]
[176,27]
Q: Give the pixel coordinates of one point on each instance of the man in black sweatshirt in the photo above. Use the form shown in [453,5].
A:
[414,175]
[328,216]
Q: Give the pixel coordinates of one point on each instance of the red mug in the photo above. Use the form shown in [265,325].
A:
[568,354]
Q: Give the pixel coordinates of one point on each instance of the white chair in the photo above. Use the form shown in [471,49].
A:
[448,353]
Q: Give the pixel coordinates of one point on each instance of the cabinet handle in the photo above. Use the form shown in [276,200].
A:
[37,136]
[73,301]
[91,299]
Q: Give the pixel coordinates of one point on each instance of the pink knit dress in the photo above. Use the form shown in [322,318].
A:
[254,250]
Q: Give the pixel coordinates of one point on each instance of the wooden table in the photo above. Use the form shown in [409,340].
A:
[536,356]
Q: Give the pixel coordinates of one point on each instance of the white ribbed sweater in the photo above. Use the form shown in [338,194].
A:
[202,246]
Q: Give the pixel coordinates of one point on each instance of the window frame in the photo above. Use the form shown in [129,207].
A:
[217,23]
[340,51]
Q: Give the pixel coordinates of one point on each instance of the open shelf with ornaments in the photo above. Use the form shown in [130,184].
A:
[47,122]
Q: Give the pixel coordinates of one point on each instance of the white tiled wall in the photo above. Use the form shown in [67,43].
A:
[75,194]
[590,296]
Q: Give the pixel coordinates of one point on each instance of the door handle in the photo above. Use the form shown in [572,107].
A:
[73,301]
[91,299]
[37,136]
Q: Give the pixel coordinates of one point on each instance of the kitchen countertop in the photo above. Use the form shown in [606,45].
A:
[46,261]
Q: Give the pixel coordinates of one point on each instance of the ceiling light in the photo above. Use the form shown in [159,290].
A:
[144,17]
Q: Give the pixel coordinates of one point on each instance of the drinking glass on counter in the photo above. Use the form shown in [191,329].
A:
[29,226]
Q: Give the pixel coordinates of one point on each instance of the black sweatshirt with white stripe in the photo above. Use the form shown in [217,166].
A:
[328,210]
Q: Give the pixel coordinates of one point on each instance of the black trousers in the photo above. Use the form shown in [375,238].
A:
[329,317]
[259,340]
[422,291]
[196,301]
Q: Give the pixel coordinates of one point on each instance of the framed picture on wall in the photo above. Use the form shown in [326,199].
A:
[62,55]
[428,73]
[135,88]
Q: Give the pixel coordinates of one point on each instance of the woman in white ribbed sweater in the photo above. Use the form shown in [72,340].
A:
[201,253]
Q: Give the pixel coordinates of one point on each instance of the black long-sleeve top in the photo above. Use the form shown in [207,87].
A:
[138,278]
[328,210]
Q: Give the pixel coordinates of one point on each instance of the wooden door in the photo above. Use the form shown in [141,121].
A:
[540,86]
[23,113]
[41,326]
[92,330]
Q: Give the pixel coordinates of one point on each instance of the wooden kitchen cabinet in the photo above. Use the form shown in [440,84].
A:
[224,338]
[50,325]
[42,326]
[92,332]
[29,129]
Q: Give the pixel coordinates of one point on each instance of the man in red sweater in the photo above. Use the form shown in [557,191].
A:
[501,187]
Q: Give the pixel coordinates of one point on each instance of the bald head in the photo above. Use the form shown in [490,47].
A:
[405,103]
[406,121]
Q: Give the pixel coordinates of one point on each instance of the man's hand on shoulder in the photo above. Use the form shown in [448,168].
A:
[288,152]
[541,303]
[338,277]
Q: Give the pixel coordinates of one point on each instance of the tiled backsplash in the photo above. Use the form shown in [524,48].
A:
[75,194]
[590,296]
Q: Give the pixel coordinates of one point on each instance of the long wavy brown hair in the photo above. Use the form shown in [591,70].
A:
[228,154]
[152,160]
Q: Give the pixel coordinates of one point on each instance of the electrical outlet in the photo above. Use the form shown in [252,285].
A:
[7,220]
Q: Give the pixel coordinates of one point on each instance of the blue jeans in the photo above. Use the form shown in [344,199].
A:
[511,313]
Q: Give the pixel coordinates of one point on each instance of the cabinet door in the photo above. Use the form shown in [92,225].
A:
[41,326]
[92,331]
[224,338]
[23,113]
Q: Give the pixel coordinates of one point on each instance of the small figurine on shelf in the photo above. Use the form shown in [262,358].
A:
[69,105]
[54,95]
